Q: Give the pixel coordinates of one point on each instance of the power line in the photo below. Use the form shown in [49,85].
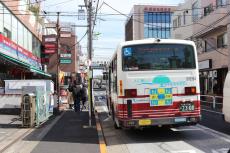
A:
[80,39]
[59,3]
[95,18]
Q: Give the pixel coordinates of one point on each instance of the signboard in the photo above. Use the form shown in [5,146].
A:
[49,51]
[65,55]
[65,61]
[50,44]
[65,35]
[50,25]
[157,9]
[207,64]
[15,51]
[50,39]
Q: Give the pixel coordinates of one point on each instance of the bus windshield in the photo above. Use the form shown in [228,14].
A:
[158,57]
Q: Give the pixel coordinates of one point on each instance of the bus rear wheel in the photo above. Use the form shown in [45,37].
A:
[115,120]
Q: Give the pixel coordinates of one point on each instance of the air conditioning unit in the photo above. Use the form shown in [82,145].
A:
[44,68]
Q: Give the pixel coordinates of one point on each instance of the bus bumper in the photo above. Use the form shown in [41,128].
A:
[174,121]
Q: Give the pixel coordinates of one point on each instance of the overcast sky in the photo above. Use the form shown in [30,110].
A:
[111,28]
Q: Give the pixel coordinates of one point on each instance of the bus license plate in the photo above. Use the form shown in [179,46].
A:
[144,122]
[186,107]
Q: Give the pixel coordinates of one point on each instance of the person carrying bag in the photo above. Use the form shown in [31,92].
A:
[76,93]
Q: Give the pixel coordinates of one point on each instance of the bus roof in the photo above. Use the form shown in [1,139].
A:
[156,40]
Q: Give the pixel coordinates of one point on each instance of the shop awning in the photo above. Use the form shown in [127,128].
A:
[32,69]
[23,65]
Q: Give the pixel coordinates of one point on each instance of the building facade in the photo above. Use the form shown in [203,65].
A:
[147,21]
[209,28]
[69,55]
[20,41]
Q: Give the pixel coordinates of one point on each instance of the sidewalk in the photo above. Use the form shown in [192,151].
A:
[71,134]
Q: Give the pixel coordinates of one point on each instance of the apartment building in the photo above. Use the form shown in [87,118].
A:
[68,60]
[208,27]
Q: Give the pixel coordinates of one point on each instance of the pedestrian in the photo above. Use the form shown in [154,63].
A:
[70,95]
[84,95]
[76,92]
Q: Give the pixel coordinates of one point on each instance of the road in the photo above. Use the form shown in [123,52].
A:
[188,139]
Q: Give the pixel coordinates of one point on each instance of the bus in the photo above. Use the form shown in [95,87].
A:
[226,98]
[154,82]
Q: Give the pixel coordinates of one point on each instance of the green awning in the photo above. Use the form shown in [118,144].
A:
[32,69]
[13,60]
[24,65]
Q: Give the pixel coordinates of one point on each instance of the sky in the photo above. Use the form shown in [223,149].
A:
[110,28]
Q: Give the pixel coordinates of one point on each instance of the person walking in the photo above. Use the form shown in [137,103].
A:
[84,95]
[69,95]
[76,92]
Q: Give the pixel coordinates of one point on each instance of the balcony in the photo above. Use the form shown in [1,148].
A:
[216,19]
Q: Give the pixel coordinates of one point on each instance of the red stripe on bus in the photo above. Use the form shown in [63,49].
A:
[146,106]
[145,96]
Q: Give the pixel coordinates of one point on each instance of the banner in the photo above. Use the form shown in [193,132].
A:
[11,49]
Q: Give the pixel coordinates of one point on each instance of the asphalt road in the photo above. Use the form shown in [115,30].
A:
[188,139]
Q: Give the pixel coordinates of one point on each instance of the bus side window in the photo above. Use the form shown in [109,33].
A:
[115,74]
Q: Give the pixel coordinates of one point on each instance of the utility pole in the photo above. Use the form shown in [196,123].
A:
[89,12]
[58,63]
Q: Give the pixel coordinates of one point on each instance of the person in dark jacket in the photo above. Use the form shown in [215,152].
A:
[76,92]
[84,95]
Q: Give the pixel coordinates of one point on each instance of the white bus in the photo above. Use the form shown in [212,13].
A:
[154,82]
[226,98]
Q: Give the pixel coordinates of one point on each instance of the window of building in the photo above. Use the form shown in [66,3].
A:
[184,17]
[7,33]
[208,9]
[175,24]
[222,40]
[7,20]
[1,18]
[20,34]
[207,46]
[36,46]
[14,29]
[25,44]
[30,41]
[156,24]
[179,20]
[221,3]
[195,12]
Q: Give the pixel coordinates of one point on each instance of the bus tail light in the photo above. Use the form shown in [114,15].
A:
[121,87]
[190,90]
[129,93]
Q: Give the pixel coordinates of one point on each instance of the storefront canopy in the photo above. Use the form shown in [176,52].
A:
[23,65]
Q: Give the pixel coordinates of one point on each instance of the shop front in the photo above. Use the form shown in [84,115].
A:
[211,80]
[18,63]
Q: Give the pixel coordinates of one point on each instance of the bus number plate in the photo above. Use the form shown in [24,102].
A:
[186,107]
[144,122]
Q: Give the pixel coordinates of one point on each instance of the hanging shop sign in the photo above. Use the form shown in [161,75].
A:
[9,48]
[65,55]
[50,44]
[49,39]
[65,61]
[50,48]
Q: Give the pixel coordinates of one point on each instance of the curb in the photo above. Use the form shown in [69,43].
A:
[100,135]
